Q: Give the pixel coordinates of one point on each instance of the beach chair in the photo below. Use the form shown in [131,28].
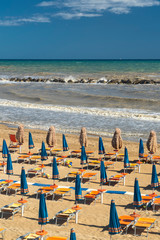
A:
[118,178]
[144,224]
[14,144]
[54,152]
[34,159]
[23,158]
[57,238]
[155,202]
[95,164]
[3,166]
[35,171]
[77,153]
[114,155]
[3,185]
[59,160]
[92,196]
[147,201]
[2,232]
[133,166]
[29,236]
[72,175]
[126,221]
[61,192]
[87,176]
[15,187]
[48,191]
[10,209]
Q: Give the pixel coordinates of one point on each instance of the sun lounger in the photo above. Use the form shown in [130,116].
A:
[54,152]
[29,236]
[118,178]
[14,145]
[3,185]
[56,238]
[87,176]
[10,209]
[126,221]
[144,224]
[114,155]
[72,175]
[2,231]
[59,160]
[147,201]
[23,158]
[48,191]
[155,202]
[15,187]
[3,165]
[34,159]
[35,171]
[133,166]
[92,196]
[95,164]
[77,153]
[61,192]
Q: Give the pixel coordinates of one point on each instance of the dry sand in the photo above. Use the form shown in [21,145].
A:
[93,218]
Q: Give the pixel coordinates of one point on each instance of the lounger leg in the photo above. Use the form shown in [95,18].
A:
[101,197]
[76,217]
[22,209]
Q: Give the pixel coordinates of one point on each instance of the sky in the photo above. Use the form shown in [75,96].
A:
[80,29]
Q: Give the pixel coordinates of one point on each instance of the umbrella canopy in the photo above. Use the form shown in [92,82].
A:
[44,155]
[30,142]
[9,165]
[126,158]
[55,172]
[117,139]
[103,175]
[4,149]
[154,180]
[72,235]
[83,156]
[83,137]
[114,225]
[78,190]
[43,214]
[24,186]
[141,148]
[65,145]
[20,134]
[152,142]
[137,199]
[51,137]
[101,146]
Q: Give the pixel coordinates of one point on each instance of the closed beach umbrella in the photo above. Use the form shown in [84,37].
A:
[4,149]
[117,139]
[154,180]
[24,185]
[126,158]
[137,199]
[44,155]
[78,190]
[83,156]
[103,175]
[51,137]
[55,172]
[65,145]
[114,225]
[141,148]
[30,142]
[152,142]
[9,165]
[43,214]
[101,146]
[20,134]
[72,235]
[83,137]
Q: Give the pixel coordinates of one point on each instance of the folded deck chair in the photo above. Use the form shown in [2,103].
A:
[118,178]
[61,192]
[144,224]
[126,221]
[92,196]
[65,215]
[95,164]
[15,187]
[56,238]
[10,209]
[87,176]
[72,175]
[35,171]
[14,144]
[29,236]
[48,191]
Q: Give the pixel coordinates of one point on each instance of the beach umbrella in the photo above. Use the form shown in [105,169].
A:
[24,185]
[117,139]
[43,214]
[44,155]
[78,190]
[141,148]
[152,142]
[103,175]
[9,166]
[154,180]
[65,145]
[83,156]
[30,142]
[4,149]
[101,146]
[51,137]
[72,235]
[55,172]
[126,159]
[137,199]
[83,137]
[114,225]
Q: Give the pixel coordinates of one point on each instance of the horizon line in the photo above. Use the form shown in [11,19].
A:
[79,59]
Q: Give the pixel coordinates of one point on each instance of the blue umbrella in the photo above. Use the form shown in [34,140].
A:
[30,142]
[24,186]
[103,175]
[65,145]
[154,180]
[78,190]
[101,146]
[9,165]
[114,225]
[137,199]
[43,214]
[4,149]
[55,172]
[83,156]
[44,155]
[72,235]
[141,148]
[126,158]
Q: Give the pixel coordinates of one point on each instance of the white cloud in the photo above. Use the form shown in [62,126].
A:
[47,4]
[10,21]
[66,15]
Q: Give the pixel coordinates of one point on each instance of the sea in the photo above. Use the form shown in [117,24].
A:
[135,109]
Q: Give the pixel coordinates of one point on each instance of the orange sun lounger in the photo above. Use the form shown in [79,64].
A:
[76,153]
[29,236]
[144,224]
[73,174]
[88,176]
[156,202]
[56,238]
[2,231]
[61,192]
[35,171]
[10,209]
[48,191]
[15,187]
[126,221]
[117,179]
[95,164]
[92,196]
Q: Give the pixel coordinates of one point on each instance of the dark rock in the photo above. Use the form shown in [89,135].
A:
[126,81]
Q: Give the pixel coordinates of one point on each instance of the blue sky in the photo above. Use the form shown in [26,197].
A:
[69,29]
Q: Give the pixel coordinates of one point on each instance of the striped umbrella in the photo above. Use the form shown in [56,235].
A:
[101,146]
[55,172]
[114,225]
[126,158]
[65,145]
[43,214]
[83,156]
[103,175]
[141,148]
[24,185]
[9,165]
[154,180]
[72,235]
[137,199]
[30,141]
[44,155]
[4,149]
[78,190]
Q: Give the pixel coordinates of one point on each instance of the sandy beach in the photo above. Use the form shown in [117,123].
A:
[93,218]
